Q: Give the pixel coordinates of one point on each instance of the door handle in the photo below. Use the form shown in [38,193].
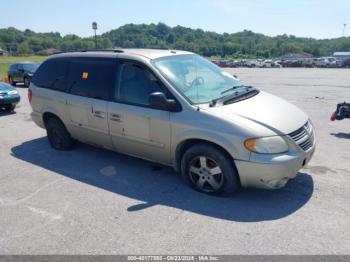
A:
[99,114]
[116,117]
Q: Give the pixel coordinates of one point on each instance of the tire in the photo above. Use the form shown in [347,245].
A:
[10,107]
[209,170]
[13,83]
[58,135]
[26,82]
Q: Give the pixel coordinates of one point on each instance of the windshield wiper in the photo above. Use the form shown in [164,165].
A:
[235,87]
[214,101]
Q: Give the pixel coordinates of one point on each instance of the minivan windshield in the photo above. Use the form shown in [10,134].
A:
[198,79]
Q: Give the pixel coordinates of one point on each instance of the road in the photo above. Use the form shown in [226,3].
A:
[93,201]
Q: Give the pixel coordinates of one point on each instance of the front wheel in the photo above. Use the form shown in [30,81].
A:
[10,107]
[208,169]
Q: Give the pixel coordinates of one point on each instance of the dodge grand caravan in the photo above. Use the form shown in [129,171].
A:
[174,108]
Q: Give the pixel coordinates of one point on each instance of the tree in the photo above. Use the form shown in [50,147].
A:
[242,44]
[23,49]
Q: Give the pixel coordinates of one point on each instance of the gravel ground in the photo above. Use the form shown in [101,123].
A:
[93,201]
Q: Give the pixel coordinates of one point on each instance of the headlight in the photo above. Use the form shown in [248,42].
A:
[12,92]
[267,145]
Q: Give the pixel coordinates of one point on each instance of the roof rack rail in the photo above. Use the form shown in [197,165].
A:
[102,50]
[89,50]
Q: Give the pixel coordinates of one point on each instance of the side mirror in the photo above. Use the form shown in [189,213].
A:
[158,100]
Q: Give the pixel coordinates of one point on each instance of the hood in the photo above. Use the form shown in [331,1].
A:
[266,110]
[5,87]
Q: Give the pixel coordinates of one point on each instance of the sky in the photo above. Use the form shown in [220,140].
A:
[306,18]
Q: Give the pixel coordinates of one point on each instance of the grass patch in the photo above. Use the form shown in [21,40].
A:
[6,61]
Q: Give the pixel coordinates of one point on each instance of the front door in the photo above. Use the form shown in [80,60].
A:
[135,128]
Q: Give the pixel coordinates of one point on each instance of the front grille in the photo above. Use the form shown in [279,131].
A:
[304,136]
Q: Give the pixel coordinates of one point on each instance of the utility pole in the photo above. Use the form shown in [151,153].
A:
[94,27]
[344,26]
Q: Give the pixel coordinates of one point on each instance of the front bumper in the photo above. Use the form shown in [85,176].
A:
[9,100]
[272,171]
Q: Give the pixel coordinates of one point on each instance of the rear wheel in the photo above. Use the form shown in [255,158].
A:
[26,82]
[208,169]
[58,135]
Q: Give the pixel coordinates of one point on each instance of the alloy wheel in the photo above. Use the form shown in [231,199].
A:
[206,174]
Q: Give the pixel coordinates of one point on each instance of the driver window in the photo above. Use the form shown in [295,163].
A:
[136,84]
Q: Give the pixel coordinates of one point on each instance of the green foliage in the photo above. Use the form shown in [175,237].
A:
[246,44]
[23,49]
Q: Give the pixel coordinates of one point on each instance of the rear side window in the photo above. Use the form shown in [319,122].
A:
[92,77]
[52,74]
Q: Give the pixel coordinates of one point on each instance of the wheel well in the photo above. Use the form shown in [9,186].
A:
[48,115]
[185,145]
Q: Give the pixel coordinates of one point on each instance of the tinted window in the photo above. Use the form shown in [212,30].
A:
[52,74]
[92,77]
[13,67]
[136,84]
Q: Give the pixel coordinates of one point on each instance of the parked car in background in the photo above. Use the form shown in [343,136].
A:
[9,97]
[346,63]
[174,108]
[21,72]
[269,63]
[326,62]
[223,63]
[250,63]
[331,62]
[259,62]
[234,63]
[308,62]
[292,63]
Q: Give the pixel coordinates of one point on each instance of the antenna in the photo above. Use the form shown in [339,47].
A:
[344,26]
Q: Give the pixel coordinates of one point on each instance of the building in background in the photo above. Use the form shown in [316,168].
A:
[342,55]
[3,52]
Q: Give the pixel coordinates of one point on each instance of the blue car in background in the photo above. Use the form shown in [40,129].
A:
[9,97]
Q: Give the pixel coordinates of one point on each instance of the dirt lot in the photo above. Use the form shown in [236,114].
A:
[92,201]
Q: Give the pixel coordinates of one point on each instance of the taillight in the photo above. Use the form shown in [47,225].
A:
[333,116]
[30,94]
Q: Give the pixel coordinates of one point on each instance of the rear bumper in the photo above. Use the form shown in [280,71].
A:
[37,119]
[272,171]
[10,100]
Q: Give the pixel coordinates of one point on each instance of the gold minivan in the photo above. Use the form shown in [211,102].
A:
[175,108]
